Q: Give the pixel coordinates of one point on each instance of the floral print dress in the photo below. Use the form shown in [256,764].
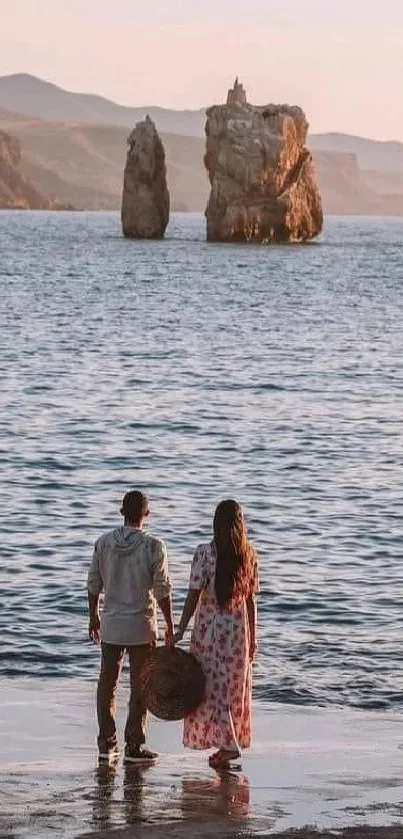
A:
[220,642]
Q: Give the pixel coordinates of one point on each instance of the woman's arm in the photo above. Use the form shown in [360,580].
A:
[189,609]
[251,610]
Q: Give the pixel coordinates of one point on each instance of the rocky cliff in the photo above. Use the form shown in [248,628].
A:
[263,185]
[16,192]
[344,186]
[82,165]
[145,203]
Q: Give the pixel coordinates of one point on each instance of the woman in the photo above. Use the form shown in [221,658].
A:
[223,582]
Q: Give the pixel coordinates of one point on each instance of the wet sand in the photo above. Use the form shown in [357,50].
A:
[196,831]
[326,769]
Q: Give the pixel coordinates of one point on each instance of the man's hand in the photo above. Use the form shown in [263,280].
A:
[94,629]
[166,609]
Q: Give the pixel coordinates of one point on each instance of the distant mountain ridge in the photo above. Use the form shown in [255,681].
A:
[382,155]
[26,94]
[82,165]
[79,161]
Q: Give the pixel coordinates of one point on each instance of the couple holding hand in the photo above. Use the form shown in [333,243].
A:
[130,568]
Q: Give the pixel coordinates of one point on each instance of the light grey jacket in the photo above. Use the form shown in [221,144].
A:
[131,569]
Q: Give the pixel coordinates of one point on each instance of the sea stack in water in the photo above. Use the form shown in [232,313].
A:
[263,186]
[145,203]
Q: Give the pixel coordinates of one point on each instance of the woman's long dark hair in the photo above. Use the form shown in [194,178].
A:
[235,555]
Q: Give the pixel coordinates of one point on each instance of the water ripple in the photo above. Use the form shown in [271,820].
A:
[197,372]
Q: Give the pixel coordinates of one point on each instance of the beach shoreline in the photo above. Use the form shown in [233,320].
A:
[198,831]
[331,769]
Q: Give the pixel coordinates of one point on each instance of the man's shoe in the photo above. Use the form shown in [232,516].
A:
[135,754]
[108,752]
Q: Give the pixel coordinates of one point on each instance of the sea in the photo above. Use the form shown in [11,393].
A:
[197,372]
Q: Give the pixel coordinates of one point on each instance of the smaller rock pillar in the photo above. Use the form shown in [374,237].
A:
[145,201]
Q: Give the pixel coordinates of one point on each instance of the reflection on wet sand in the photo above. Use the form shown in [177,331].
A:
[102,807]
[107,808]
[227,794]
[133,794]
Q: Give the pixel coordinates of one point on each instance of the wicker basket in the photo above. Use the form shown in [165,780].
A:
[172,683]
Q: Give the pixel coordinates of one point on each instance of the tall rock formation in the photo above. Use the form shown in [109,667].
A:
[145,203]
[263,186]
[16,192]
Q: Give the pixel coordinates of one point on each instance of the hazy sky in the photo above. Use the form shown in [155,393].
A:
[341,59]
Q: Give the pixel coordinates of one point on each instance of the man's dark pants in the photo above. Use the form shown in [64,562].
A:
[111,666]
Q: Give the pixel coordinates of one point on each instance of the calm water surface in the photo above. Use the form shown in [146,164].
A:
[198,371]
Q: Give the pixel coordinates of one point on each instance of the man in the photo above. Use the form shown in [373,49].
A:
[131,569]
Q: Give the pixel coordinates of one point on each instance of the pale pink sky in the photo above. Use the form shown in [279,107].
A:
[342,60]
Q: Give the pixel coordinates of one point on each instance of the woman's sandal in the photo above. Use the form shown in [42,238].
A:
[223,758]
